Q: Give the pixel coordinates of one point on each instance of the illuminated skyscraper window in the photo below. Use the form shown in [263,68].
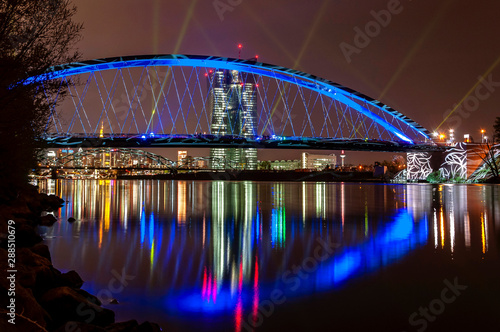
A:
[181,157]
[233,105]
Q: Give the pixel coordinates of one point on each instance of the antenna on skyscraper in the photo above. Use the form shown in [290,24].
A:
[239,51]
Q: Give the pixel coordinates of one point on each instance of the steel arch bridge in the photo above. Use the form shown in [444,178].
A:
[152,159]
[189,100]
[85,158]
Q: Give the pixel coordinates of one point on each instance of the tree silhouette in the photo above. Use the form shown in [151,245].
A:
[489,155]
[496,130]
[34,35]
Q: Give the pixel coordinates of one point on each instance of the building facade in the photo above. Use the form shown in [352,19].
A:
[233,106]
[285,165]
[318,161]
[181,157]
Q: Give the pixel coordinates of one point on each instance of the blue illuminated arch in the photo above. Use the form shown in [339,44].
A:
[325,87]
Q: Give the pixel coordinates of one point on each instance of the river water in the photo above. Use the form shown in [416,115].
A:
[243,256]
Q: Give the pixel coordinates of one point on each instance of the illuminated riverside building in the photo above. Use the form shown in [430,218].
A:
[307,161]
[285,165]
[105,158]
[51,157]
[233,105]
[181,157]
[64,153]
[318,161]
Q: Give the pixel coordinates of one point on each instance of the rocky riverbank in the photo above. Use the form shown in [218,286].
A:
[35,296]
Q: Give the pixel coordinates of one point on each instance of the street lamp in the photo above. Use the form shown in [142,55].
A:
[482,135]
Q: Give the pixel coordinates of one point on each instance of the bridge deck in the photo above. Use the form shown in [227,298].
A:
[212,141]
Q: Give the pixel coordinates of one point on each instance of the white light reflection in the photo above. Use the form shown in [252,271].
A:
[436,231]
[452,218]
[247,234]
[467,230]
[342,203]
[304,203]
[221,247]
[320,200]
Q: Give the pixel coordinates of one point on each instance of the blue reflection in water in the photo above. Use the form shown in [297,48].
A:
[143,225]
[397,239]
[391,244]
[242,244]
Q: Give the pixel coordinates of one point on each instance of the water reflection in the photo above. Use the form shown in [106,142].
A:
[222,248]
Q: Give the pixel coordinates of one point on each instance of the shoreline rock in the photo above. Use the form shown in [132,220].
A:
[45,298]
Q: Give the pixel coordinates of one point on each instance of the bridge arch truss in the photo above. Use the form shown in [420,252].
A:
[174,95]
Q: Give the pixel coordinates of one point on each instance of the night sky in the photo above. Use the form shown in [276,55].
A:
[426,59]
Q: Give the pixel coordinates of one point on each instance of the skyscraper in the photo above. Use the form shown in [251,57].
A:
[181,157]
[233,105]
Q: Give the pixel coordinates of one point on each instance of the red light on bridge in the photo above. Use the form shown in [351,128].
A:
[240,46]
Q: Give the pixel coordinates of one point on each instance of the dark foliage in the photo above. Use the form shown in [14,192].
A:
[34,35]
[489,155]
[496,130]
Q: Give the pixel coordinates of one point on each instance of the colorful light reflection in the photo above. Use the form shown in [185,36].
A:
[239,239]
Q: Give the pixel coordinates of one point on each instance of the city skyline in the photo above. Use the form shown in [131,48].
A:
[438,62]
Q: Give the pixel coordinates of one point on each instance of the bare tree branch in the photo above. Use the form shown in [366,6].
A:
[488,154]
[34,35]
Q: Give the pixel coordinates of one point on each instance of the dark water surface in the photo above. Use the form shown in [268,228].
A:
[243,256]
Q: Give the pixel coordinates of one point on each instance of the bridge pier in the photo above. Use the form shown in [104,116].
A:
[458,161]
